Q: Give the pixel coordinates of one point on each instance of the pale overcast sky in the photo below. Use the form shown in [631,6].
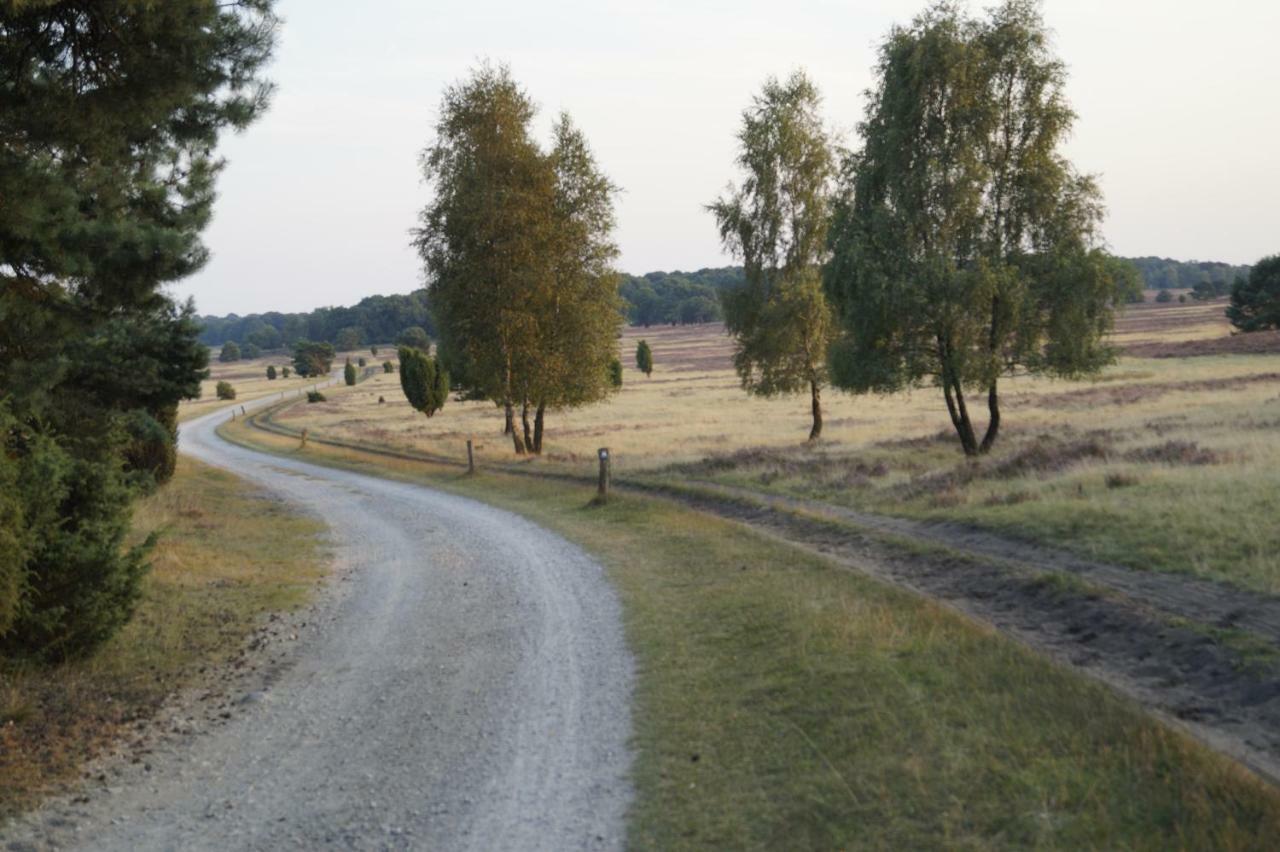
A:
[1178,102]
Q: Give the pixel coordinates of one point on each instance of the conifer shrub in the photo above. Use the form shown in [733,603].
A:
[224,390]
[271,372]
[315,396]
[388,367]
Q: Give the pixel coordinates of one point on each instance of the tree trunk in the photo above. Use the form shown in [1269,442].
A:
[816,395]
[960,416]
[993,427]
[538,420]
[510,423]
[513,431]
[524,420]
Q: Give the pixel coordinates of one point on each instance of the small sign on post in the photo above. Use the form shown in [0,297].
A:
[471,457]
[602,495]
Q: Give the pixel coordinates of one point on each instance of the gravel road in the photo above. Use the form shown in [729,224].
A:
[469,688]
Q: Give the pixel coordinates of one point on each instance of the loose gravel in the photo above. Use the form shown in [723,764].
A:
[468,687]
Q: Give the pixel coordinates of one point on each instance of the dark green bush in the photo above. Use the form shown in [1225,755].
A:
[349,373]
[388,367]
[230,352]
[315,396]
[271,372]
[225,390]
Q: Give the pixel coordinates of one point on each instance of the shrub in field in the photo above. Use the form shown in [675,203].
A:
[224,390]
[644,358]
[315,396]
[388,367]
[424,382]
[615,373]
[373,350]
[285,372]
[251,351]
[151,452]
[271,372]
[361,362]
[1164,297]
[382,400]
[1255,301]
[349,373]
[230,352]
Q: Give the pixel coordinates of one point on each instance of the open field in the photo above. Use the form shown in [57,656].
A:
[249,378]
[1166,463]
[785,702]
[227,555]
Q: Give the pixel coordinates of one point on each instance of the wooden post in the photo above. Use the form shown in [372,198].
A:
[304,440]
[602,495]
[243,412]
[471,457]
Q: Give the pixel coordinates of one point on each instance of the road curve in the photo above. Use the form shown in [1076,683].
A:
[469,690]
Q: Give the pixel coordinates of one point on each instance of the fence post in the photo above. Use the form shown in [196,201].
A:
[303,446]
[602,495]
[471,457]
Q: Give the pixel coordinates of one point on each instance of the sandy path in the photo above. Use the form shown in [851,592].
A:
[469,689]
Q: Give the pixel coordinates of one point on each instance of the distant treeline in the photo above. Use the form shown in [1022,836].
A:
[375,319]
[656,298]
[1161,273]
[678,298]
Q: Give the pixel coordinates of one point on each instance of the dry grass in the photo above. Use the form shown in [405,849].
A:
[228,554]
[894,454]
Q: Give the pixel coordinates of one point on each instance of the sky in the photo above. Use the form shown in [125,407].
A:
[1178,104]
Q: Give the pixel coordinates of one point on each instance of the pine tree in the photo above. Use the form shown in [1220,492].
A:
[349,373]
[271,372]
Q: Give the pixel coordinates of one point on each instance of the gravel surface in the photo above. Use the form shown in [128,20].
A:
[468,688]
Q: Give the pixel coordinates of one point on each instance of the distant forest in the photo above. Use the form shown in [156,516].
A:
[656,298]
[1161,273]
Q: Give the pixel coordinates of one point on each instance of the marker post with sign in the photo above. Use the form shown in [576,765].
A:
[603,494]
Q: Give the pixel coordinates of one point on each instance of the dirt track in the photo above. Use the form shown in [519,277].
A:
[1201,654]
[468,688]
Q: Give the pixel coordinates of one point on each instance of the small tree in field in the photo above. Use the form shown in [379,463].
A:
[271,372]
[349,373]
[373,350]
[285,372]
[964,243]
[224,390]
[777,223]
[415,336]
[424,382]
[615,373]
[644,358]
[1255,301]
[312,359]
[388,367]
[230,352]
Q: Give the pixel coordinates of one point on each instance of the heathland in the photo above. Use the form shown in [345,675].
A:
[875,717]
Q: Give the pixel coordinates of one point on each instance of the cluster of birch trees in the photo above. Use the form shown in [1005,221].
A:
[519,253]
[956,246]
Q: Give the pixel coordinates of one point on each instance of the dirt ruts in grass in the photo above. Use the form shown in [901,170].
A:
[1130,394]
[1200,652]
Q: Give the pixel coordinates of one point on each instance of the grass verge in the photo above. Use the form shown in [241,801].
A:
[782,703]
[228,554]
